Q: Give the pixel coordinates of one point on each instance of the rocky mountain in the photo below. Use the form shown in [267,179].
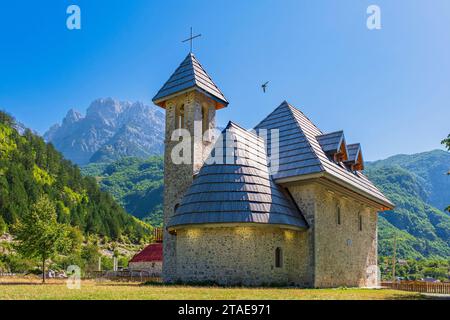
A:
[110,130]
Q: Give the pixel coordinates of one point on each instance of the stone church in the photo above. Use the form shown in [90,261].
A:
[283,204]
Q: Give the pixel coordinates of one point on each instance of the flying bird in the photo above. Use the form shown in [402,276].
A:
[264,86]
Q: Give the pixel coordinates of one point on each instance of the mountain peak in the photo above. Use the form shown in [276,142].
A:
[72,116]
[111,129]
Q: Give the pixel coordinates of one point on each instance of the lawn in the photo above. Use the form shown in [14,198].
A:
[30,289]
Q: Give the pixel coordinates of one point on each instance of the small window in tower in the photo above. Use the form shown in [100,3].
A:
[338,215]
[278,258]
[179,118]
[204,120]
[176,207]
[360,222]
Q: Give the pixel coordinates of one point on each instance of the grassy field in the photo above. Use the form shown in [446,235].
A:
[30,289]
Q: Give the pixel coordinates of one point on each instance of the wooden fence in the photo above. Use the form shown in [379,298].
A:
[419,286]
[7,274]
[126,276]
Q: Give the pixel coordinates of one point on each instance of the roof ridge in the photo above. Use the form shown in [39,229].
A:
[334,132]
[306,134]
[301,112]
[284,103]
[234,124]
[204,70]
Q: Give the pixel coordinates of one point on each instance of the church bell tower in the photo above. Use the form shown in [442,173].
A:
[190,99]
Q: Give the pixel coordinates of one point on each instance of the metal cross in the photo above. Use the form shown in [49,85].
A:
[191,38]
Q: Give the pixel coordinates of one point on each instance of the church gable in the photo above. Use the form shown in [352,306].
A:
[304,152]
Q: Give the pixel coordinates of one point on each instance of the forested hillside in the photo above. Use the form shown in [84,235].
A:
[136,184]
[430,170]
[414,183]
[30,168]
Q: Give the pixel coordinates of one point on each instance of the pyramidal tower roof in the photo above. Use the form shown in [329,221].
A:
[190,76]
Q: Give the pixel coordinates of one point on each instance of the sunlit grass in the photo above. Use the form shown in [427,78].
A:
[31,289]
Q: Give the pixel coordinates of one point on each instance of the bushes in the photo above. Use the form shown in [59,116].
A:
[416,269]
[15,263]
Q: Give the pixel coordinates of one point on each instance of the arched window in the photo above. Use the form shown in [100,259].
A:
[179,118]
[360,222]
[175,208]
[338,215]
[205,119]
[278,258]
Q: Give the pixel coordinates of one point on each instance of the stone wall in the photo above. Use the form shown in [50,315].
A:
[343,254]
[154,268]
[178,177]
[242,255]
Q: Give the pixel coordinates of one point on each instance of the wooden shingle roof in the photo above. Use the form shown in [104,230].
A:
[355,158]
[301,154]
[353,152]
[237,188]
[189,76]
[331,142]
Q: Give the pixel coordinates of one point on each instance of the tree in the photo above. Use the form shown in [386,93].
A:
[90,256]
[39,234]
[446,143]
[3,226]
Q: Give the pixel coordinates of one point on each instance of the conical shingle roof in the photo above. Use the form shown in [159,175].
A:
[237,188]
[189,76]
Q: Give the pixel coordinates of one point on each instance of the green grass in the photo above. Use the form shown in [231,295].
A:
[26,289]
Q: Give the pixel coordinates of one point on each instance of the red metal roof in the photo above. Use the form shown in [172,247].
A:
[151,253]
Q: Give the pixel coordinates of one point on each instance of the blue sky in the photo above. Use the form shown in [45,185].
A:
[388,89]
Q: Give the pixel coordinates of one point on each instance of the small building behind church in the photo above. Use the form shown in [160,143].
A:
[150,259]
[285,203]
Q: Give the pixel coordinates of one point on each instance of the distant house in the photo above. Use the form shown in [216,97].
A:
[402,262]
[150,260]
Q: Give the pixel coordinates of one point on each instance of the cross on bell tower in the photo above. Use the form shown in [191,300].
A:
[191,39]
